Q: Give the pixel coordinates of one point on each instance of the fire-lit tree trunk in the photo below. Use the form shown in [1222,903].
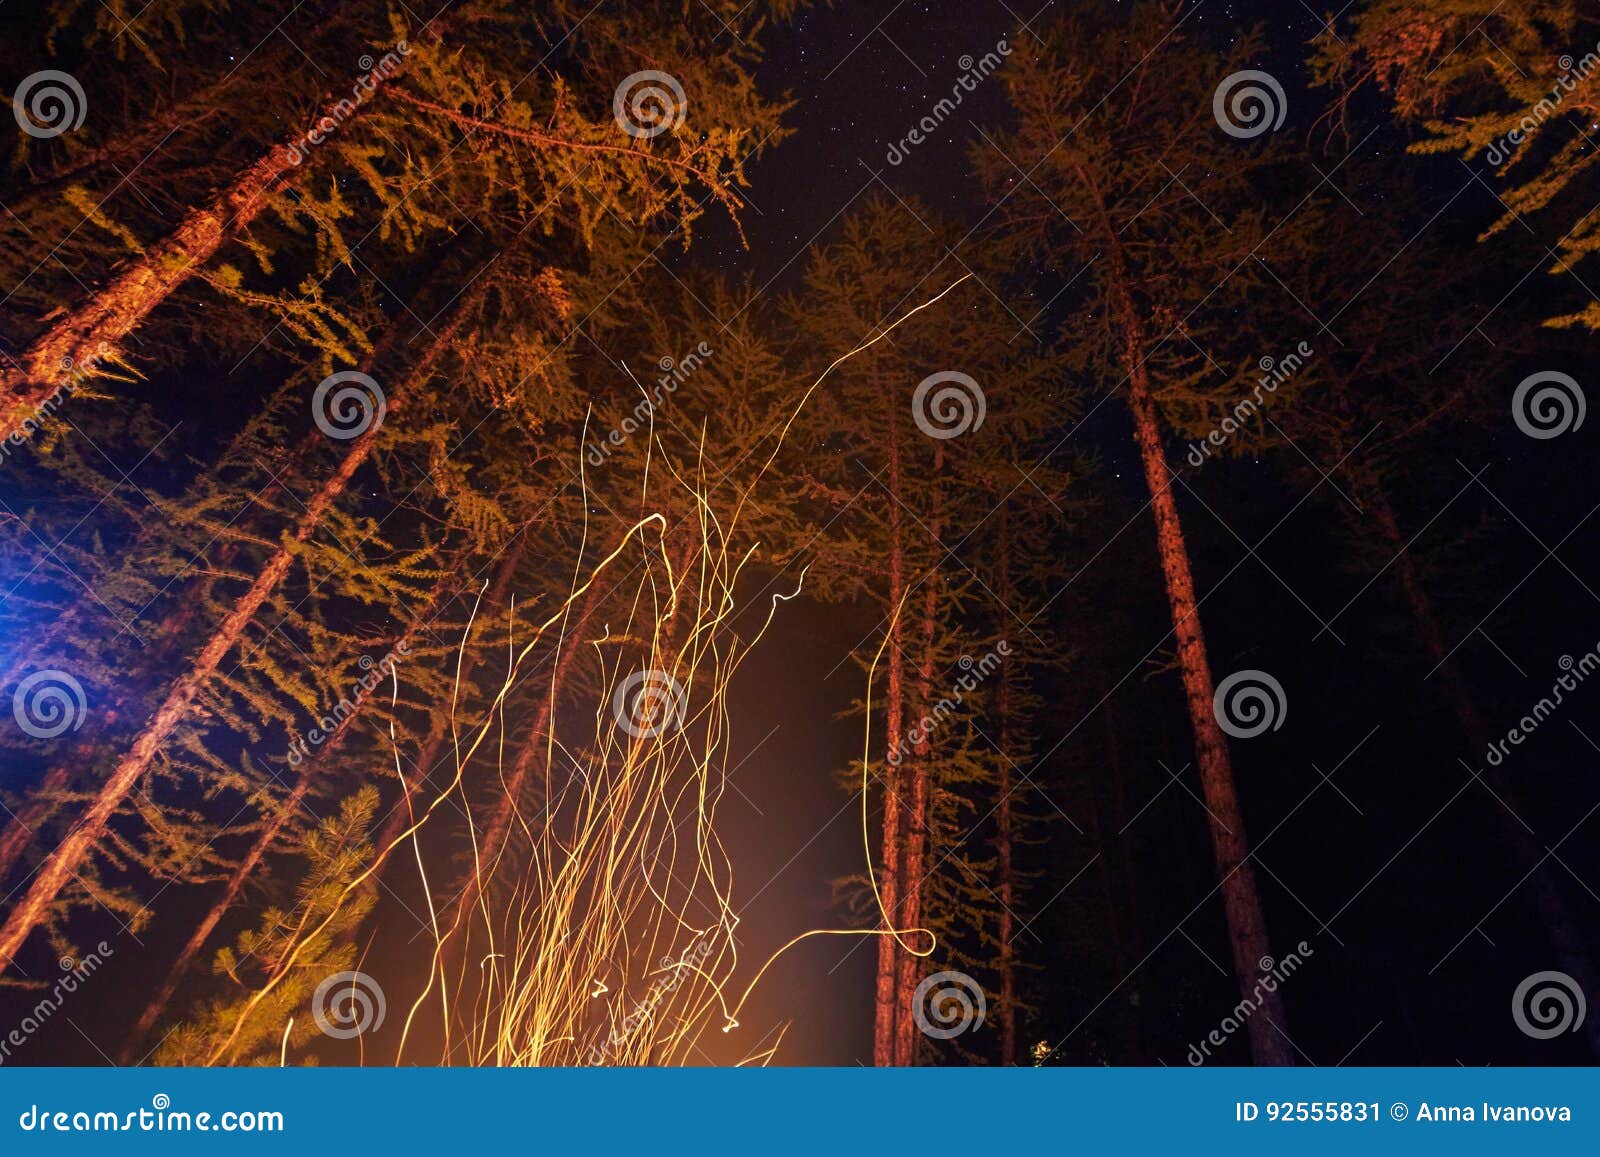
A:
[268,836]
[1247,926]
[533,748]
[399,816]
[92,332]
[63,863]
[242,872]
[1566,939]
[1005,820]
[909,970]
[884,1009]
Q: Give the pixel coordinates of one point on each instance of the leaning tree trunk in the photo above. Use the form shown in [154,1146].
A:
[400,815]
[242,872]
[63,863]
[1566,939]
[93,332]
[267,838]
[1247,928]
[533,746]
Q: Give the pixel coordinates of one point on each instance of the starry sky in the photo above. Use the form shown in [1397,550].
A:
[863,75]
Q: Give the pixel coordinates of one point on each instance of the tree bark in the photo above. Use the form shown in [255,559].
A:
[884,1011]
[1247,928]
[92,332]
[533,747]
[400,815]
[267,837]
[909,969]
[63,863]
[1004,821]
[208,923]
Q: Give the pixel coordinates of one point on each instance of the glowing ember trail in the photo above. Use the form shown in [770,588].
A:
[604,931]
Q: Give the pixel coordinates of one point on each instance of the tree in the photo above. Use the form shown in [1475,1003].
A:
[1513,86]
[1110,154]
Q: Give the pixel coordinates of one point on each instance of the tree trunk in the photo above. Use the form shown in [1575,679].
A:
[1004,822]
[884,1015]
[533,747]
[63,863]
[1566,939]
[1247,929]
[92,332]
[224,902]
[399,817]
[909,970]
[269,836]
